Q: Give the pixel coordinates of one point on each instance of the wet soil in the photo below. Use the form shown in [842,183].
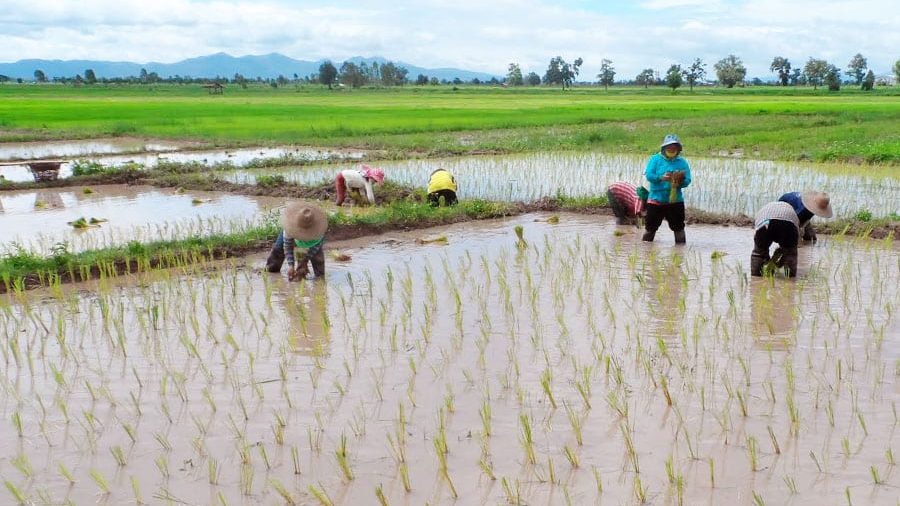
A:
[663,356]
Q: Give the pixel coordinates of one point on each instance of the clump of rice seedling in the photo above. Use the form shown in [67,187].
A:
[283,492]
[520,243]
[571,456]
[20,497]
[100,480]
[527,438]
[342,455]
[752,452]
[320,495]
[379,493]
[547,386]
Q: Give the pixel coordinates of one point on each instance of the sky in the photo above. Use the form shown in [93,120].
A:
[480,35]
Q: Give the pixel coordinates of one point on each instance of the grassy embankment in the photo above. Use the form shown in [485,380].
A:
[767,123]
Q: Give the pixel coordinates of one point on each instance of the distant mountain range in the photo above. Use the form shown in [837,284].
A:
[214,65]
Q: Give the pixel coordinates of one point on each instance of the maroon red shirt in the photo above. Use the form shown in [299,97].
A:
[626,194]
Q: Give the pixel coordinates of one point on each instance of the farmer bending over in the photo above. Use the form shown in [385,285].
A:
[352,180]
[807,205]
[627,202]
[304,230]
[668,172]
[775,222]
[442,184]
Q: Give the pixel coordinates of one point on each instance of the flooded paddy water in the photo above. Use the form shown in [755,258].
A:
[38,220]
[15,169]
[721,185]
[586,367]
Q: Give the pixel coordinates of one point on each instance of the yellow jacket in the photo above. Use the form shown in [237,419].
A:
[441,180]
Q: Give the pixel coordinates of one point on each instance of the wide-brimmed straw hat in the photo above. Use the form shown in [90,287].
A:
[818,203]
[304,221]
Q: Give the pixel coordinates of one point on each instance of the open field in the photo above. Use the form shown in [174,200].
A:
[770,123]
[441,359]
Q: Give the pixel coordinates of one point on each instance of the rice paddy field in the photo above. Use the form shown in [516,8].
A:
[767,123]
[578,367]
[540,358]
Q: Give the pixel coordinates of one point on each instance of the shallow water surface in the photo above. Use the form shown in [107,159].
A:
[453,345]
[149,158]
[39,219]
[10,151]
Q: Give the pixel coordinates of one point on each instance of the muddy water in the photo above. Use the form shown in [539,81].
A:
[40,219]
[150,157]
[719,185]
[414,341]
[66,149]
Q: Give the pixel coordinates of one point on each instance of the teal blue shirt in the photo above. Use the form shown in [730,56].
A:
[657,166]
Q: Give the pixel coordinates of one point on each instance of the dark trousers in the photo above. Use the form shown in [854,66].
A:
[434,198]
[785,234]
[673,214]
[315,256]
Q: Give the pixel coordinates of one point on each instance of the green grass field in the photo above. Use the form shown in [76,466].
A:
[765,122]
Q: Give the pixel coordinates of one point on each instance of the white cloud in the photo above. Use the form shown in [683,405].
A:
[471,34]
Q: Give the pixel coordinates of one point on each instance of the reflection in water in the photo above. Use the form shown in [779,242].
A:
[48,200]
[306,305]
[665,300]
[774,312]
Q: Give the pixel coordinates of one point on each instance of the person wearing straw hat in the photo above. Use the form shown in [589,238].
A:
[355,181]
[776,222]
[806,205]
[668,172]
[304,231]
[627,202]
[442,184]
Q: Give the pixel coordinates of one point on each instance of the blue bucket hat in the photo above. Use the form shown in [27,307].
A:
[669,140]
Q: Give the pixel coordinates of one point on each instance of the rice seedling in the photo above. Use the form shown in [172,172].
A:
[136,490]
[527,438]
[20,497]
[342,456]
[100,480]
[320,495]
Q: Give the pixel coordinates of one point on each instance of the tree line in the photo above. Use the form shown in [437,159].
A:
[729,72]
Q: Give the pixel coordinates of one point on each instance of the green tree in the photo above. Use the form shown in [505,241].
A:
[833,78]
[327,73]
[514,75]
[897,71]
[560,72]
[89,76]
[869,81]
[857,67]
[730,71]
[39,76]
[674,78]
[815,71]
[532,79]
[351,75]
[781,66]
[695,72]
[645,78]
[421,80]
[607,74]
[393,75]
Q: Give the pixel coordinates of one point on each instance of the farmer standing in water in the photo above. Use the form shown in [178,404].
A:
[668,172]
